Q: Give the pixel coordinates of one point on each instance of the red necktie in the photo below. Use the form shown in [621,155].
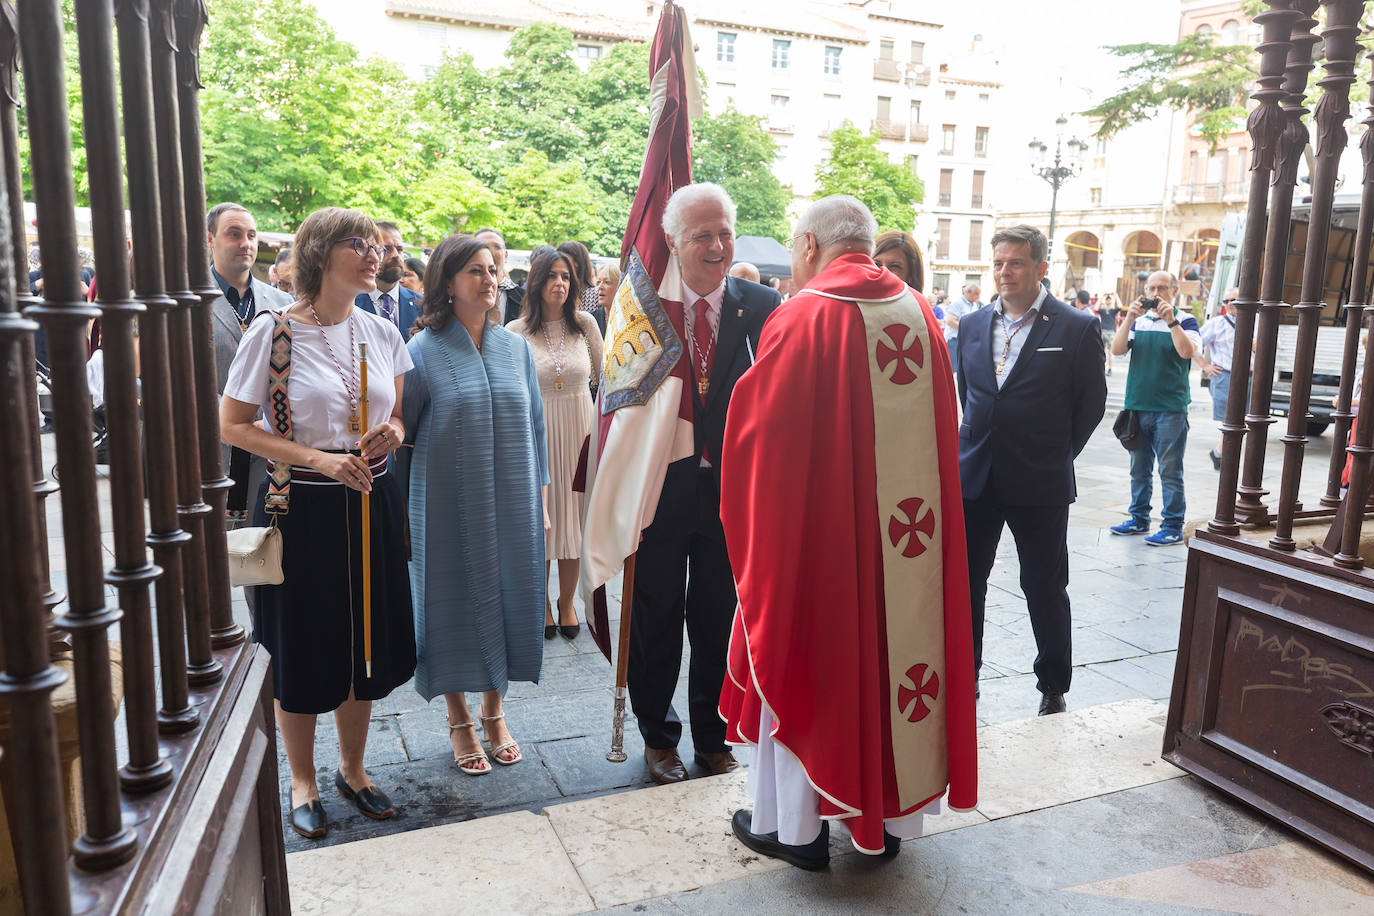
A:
[701,336]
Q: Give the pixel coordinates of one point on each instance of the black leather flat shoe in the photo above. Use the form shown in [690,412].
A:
[570,632]
[309,820]
[891,846]
[371,801]
[812,857]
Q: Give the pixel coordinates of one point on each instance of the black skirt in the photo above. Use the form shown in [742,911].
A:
[312,624]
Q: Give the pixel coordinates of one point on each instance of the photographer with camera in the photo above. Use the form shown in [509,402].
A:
[1162,346]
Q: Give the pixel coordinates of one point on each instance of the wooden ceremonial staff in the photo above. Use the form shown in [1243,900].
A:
[367,523]
[622,663]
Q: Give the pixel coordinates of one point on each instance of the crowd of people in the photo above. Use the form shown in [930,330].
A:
[479,401]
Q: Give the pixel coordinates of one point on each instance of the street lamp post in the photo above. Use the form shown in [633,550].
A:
[1062,169]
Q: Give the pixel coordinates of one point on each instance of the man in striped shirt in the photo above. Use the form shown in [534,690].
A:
[1218,342]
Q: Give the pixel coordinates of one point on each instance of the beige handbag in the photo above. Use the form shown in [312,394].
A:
[255,554]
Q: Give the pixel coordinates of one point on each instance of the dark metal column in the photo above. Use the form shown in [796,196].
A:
[1250,508]
[1355,311]
[176,714]
[201,665]
[1333,110]
[191,17]
[106,842]
[43,485]
[132,573]
[1265,125]
[26,684]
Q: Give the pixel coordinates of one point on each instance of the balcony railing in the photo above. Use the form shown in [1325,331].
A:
[890,130]
[976,201]
[918,75]
[888,70]
[1210,192]
[780,126]
[918,132]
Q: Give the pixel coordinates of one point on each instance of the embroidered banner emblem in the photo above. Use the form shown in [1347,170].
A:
[642,346]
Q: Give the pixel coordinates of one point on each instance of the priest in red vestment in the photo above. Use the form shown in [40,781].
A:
[851,660]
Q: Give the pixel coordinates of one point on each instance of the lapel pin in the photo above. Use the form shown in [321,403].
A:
[1044,317]
[739,313]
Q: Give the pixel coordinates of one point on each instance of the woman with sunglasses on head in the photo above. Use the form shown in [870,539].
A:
[567,350]
[312,623]
[478,473]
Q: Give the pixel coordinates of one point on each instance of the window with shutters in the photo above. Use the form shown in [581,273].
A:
[946,187]
[942,231]
[976,195]
[975,240]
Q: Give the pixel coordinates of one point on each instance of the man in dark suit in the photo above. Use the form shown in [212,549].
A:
[1031,382]
[510,295]
[686,538]
[390,299]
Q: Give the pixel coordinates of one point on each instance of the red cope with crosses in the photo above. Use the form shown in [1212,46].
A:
[909,525]
[904,355]
[911,700]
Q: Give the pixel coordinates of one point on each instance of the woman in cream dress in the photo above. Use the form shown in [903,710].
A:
[566,345]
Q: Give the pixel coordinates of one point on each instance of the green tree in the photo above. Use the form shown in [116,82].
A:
[547,204]
[857,166]
[294,121]
[446,200]
[735,151]
[1207,80]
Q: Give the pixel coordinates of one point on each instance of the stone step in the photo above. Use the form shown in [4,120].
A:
[631,846]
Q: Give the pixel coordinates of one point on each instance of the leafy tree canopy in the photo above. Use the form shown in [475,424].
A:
[1194,75]
[295,119]
[858,167]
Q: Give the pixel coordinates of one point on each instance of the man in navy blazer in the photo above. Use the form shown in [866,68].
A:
[390,299]
[1033,390]
[683,571]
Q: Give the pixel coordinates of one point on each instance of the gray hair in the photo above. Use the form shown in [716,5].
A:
[838,219]
[674,219]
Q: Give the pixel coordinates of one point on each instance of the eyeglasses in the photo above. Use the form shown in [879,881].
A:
[791,243]
[361,247]
[393,249]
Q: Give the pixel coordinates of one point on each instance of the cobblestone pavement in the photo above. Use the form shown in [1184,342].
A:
[1126,605]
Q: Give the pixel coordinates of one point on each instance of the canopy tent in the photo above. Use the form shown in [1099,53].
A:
[765,253]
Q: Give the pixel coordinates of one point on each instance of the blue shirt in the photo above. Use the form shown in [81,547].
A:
[1017,329]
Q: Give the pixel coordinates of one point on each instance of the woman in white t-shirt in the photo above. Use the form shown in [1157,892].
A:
[313,622]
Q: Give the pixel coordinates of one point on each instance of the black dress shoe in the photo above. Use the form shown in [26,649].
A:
[1051,703]
[570,632]
[813,856]
[371,801]
[309,820]
[550,630]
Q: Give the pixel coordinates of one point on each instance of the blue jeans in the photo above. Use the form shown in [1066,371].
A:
[1166,437]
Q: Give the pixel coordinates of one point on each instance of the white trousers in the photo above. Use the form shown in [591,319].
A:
[786,802]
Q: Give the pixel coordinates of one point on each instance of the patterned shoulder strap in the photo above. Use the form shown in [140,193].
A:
[278,374]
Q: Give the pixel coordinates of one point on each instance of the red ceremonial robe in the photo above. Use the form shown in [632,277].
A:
[805,532]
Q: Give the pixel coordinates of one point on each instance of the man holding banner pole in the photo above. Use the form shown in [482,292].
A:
[678,336]
[682,566]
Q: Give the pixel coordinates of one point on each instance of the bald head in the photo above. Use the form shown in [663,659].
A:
[745,271]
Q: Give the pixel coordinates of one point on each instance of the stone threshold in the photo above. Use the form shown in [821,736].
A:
[616,849]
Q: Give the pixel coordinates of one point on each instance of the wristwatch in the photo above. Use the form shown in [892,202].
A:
[1173,324]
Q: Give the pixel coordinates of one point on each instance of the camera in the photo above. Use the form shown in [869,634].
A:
[1149,304]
